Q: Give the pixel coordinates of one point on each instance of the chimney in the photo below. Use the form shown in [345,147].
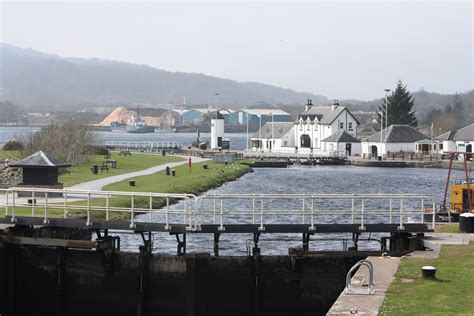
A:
[334,105]
[309,104]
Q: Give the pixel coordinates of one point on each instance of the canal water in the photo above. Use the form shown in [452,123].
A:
[316,180]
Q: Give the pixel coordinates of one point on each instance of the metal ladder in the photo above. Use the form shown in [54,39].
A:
[370,289]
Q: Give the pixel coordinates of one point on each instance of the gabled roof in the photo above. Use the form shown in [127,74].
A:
[446,136]
[213,114]
[341,136]
[398,134]
[465,133]
[325,114]
[279,130]
[41,159]
[265,112]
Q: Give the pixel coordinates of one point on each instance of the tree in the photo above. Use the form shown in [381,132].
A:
[399,104]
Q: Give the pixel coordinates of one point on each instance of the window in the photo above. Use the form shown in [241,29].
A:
[440,146]
[341,125]
[350,126]
[316,126]
[285,143]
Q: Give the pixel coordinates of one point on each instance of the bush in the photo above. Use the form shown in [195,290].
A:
[97,150]
[13,145]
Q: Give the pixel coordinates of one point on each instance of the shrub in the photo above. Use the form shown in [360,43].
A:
[13,145]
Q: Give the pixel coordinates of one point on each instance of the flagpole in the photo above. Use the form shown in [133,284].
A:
[260,133]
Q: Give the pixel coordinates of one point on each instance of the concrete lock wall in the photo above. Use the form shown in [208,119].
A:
[48,281]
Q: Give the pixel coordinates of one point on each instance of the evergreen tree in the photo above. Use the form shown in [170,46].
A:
[399,106]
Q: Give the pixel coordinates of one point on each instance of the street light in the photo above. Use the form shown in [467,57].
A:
[386,107]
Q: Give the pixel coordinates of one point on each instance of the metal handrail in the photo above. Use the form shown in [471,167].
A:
[358,212]
[44,201]
[256,209]
[370,288]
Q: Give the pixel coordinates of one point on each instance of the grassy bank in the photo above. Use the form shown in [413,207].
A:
[12,155]
[192,182]
[447,228]
[125,164]
[449,294]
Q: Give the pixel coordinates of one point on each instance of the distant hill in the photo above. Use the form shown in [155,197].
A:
[37,80]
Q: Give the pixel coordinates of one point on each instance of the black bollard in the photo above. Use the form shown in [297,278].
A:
[131,183]
[428,272]
[173,172]
[167,171]
[163,152]
[205,166]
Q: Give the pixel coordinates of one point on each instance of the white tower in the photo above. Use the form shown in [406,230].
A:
[217,129]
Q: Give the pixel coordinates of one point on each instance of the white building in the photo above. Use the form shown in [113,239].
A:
[318,130]
[319,122]
[446,142]
[461,140]
[217,129]
[277,136]
[395,138]
[342,142]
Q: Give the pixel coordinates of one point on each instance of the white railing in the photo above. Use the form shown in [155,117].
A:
[96,205]
[220,209]
[312,209]
[144,144]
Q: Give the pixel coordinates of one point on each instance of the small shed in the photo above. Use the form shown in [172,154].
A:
[41,170]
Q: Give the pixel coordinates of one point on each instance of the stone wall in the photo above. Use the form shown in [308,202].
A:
[9,177]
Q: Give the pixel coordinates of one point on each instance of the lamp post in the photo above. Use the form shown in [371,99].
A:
[386,107]
[260,133]
[381,120]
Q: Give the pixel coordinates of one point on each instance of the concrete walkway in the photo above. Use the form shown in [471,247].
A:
[384,272]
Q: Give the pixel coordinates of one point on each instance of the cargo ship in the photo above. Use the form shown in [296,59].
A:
[133,125]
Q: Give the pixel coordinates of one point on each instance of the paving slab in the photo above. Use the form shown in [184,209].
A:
[384,273]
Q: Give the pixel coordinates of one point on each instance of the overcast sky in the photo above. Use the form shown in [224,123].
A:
[341,50]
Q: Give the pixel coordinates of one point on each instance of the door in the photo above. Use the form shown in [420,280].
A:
[469,151]
[348,149]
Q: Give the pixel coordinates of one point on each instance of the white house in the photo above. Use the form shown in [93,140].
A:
[395,138]
[319,122]
[276,136]
[342,141]
[318,130]
[446,142]
[461,140]
[464,139]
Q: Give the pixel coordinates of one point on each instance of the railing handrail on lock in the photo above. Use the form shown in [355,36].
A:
[45,200]
[258,216]
[255,209]
[370,288]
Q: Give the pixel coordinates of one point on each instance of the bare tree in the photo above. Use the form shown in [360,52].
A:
[71,141]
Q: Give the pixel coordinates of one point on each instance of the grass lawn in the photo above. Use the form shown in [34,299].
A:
[12,155]
[449,294]
[125,164]
[447,228]
[194,182]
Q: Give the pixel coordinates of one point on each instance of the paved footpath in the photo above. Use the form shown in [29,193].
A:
[97,185]
[384,272]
